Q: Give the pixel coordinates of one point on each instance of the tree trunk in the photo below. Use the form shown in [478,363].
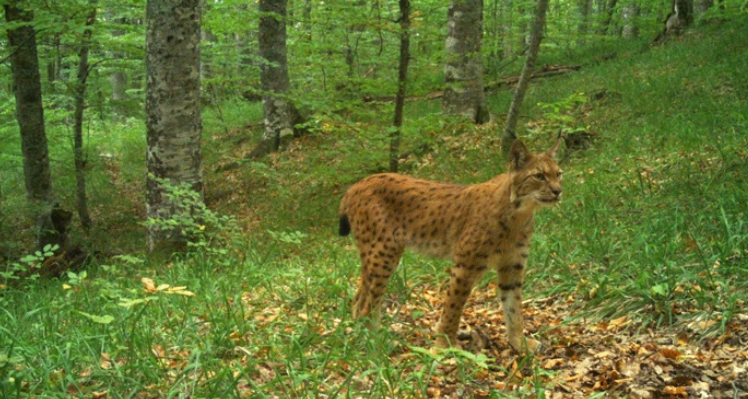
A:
[402,78]
[173,120]
[80,102]
[629,14]
[536,36]
[584,7]
[280,113]
[702,6]
[463,70]
[118,78]
[30,115]
[507,17]
[680,17]
[607,17]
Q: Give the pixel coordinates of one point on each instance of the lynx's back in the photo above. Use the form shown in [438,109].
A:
[480,226]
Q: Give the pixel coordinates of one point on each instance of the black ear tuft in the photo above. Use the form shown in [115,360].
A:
[519,155]
[553,151]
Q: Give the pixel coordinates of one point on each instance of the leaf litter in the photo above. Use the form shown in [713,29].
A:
[619,357]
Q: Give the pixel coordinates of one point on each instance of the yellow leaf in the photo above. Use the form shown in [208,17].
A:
[150,286]
[180,291]
[162,287]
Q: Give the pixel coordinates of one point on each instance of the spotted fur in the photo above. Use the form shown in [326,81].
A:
[481,226]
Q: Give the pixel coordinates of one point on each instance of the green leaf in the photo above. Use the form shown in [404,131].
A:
[128,303]
[105,319]
[660,289]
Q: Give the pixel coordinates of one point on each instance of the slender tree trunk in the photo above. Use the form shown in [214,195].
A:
[463,70]
[173,119]
[30,115]
[536,36]
[402,79]
[507,18]
[583,27]
[80,103]
[118,78]
[280,113]
[306,19]
[607,17]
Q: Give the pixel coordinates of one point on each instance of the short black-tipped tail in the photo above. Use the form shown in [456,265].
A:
[345,225]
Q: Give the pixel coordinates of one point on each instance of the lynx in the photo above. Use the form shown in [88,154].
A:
[477,226]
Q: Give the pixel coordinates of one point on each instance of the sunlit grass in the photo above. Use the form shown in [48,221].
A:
[651,225]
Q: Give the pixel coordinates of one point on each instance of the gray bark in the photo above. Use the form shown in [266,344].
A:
[80,102]
[536,36]
[118,79]
[173,119]
[463,70]
[681,16]
[629,14]
[30,116]
[280,113]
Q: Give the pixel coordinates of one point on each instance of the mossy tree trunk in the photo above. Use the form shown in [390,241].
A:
[24,62]
[173,119]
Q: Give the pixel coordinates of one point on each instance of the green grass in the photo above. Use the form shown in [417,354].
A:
[652,225]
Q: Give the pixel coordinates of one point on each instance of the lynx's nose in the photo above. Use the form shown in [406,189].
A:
[556,191]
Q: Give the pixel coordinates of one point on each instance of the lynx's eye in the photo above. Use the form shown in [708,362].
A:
[540,176]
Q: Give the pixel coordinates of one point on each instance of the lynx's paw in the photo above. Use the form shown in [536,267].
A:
[444,342]
[528,346]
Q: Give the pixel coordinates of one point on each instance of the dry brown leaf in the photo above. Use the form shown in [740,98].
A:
[105,362]
[675,391]
[639,393]
[671,353]
[553,363]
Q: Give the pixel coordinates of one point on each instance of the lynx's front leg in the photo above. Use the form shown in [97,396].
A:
[511,277]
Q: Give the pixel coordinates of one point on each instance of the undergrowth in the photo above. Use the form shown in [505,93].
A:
[652,225]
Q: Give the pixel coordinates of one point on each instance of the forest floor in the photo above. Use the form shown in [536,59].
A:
[580,358]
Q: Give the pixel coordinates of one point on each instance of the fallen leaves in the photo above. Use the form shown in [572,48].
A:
[150,287]
[617,356]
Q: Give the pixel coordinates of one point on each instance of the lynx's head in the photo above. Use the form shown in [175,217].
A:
[534,177]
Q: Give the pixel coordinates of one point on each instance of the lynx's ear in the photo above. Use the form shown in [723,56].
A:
[553,151]
[518,155]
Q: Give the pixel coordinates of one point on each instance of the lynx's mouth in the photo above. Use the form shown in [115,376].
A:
[549,201]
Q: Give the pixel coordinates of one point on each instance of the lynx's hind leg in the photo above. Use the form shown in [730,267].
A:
[378,262]
[464,274]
